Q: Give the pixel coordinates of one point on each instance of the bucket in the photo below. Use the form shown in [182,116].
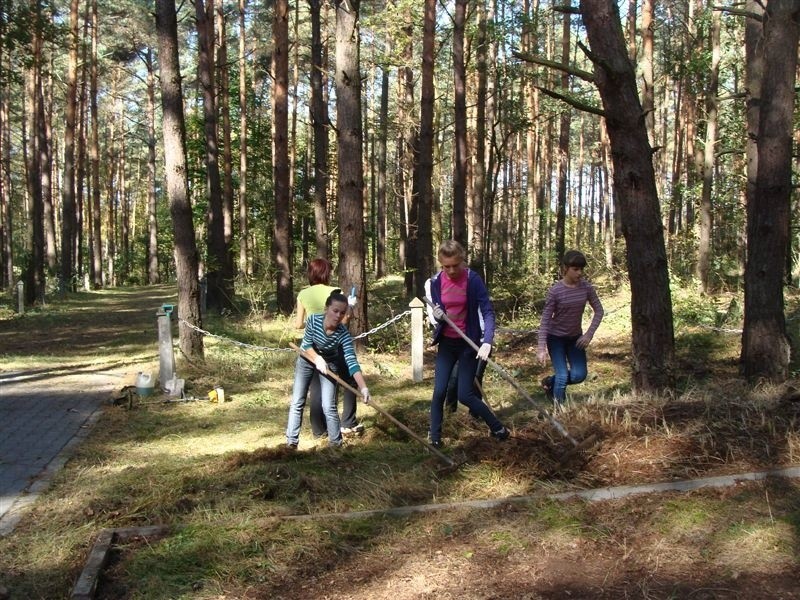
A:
[145,384]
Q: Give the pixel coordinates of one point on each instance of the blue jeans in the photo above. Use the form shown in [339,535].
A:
[569,363]
[452,351]
[303,373]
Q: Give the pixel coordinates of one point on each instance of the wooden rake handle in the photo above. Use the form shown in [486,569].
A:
[311,354]
[507,376]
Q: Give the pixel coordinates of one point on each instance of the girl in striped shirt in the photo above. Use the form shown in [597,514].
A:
[325,333]
[560,333]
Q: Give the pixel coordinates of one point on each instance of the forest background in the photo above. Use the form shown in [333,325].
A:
[367,132]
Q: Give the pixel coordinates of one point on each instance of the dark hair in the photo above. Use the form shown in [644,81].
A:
[336,296]
[573,258]
[319,271]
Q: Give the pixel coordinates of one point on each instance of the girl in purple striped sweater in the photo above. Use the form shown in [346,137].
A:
[560,333]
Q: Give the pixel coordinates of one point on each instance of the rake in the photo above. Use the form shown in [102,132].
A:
[310,354]
[576,445]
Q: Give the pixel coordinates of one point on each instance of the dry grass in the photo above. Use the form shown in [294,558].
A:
[218,473]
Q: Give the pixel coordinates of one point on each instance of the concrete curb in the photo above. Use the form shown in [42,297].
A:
[594,495]
[86,586]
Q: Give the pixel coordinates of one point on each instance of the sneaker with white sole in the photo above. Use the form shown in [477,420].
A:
[357,429]
[501,434]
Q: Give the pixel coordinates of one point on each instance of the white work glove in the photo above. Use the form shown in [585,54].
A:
[365,395]
[484,351]
[321,364]
[438,313]
[352,301]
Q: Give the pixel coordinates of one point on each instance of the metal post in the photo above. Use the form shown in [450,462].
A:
[417,338]
[21,296]
[166,353]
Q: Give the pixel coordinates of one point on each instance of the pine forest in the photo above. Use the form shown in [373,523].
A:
[232,142]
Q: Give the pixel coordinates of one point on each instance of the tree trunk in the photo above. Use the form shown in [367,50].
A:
[6,229]
[319,119]
[460,148]
[352,266]
[152,220]
[648,85]
[94,161]
[177,184]
[423,171]
[704,251]
[563,140]
[475,250]
[227,156]
[34,269]
[383,135]
[634,181]
[282,233]
[220,290]
[244,228]
[765,346]
[406,160]
[68,184]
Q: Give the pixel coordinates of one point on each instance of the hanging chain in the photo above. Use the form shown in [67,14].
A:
[276,349]
[232,341]
[383,325]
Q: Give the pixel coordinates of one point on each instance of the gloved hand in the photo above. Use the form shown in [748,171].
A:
[365,395]
[438,313]
[352,301]
[321,364]
[484,351]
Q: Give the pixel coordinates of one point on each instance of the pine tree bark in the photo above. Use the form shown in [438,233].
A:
[68,184]
[282,230]
[244,227]
[350,217]
[94,160]
[765,346]
[152,221]
[423,170]
[177,184]
[34,268]
[381,267]
[460,147]
[565,125]
[706,210]
[220,284]
[227,155]
[637,199]
[319,120]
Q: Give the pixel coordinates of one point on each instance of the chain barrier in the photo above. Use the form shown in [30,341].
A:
[383,326]
[232,341]
[277,349]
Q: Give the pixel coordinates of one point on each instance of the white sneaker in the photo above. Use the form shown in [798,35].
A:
[357,430]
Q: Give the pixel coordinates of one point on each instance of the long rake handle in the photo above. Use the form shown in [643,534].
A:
[310,354]
[507,376]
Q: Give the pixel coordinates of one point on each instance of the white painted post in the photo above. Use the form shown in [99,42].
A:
[166,354]
[417,338]
[21,296]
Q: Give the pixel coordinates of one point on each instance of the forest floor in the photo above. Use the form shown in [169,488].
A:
[219,477]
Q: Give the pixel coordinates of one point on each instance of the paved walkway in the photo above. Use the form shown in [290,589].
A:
[44,413]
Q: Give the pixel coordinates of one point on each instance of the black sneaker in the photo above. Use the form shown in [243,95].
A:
[291,446]
[501,434]
[436,443]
